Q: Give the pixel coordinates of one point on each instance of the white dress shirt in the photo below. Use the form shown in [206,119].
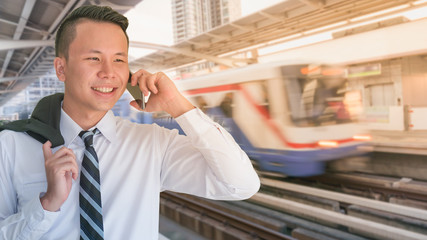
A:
[137,161]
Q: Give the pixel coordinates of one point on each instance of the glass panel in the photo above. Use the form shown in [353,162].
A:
[318,95]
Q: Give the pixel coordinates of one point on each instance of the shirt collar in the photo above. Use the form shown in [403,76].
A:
[70,129]
[107,126]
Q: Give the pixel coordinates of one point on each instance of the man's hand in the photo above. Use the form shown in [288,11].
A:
[61,168]
[164,94]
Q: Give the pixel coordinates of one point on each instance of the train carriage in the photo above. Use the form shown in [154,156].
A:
[289,118]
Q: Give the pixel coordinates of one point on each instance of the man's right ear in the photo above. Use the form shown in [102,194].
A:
[59,64]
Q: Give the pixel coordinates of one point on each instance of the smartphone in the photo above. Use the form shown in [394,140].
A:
[136,92]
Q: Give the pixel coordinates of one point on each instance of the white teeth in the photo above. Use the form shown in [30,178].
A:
[103,89]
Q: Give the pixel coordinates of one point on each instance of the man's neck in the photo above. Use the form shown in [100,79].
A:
[85,119]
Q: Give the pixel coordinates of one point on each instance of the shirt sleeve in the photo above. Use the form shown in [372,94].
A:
[207,161]
[31,221]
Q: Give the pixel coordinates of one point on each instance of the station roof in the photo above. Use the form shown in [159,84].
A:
[28,28]
[281,22]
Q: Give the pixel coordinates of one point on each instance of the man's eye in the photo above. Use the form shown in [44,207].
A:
[93,58]
[119,60]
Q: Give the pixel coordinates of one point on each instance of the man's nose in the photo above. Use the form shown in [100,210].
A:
[106,70]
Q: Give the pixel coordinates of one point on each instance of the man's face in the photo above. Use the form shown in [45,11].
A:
[96,72]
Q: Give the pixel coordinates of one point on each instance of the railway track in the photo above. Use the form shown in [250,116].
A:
[389,189]
[366,217]
[216,221]
[243,220]
[296,211]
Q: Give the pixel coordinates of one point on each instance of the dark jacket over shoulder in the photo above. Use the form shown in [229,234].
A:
[44,122]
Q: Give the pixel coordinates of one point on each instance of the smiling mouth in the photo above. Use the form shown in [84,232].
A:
[103,89]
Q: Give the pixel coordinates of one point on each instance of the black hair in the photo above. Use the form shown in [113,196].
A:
[67,30]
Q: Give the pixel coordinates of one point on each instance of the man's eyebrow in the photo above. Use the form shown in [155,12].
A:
[99,52]
[94,51]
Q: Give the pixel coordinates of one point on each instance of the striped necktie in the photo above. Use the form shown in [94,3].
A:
[91,225]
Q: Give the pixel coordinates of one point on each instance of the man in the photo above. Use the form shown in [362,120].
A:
[41,189]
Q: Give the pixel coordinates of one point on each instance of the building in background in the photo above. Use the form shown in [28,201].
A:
[193,17]
[22,105]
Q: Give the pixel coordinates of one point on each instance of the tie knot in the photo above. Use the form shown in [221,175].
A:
[87,137]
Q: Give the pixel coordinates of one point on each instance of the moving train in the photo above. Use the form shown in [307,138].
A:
[290,119]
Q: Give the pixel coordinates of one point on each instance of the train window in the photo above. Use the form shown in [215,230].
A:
[218,104]
[320,99]
[227,104]
[381,94]
[199,102]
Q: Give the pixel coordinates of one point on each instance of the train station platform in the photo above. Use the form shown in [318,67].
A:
[399,154]
[412,142]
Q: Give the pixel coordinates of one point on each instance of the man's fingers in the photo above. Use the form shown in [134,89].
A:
[146,80]
[134,78]
[65,151]
[63,160]
[71,167]
[152,81]
[75,169]
[137,75]
[75,175]
[65,164]
[47,151]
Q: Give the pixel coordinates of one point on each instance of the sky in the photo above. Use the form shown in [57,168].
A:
[151,21]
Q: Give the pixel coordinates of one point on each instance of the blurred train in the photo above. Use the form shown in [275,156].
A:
[289,118]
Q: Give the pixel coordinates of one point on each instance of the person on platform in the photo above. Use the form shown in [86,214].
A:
[74,170]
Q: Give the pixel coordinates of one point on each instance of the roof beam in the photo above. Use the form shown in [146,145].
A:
[26,27]
[54,4]
[110,4]
[245,28]
[25,15]
[200,44]
[70,4]
[223,61]
[314,3]
[23,78]
[271,16]
[219,37]
[17,44]
[12,62]
[9,91]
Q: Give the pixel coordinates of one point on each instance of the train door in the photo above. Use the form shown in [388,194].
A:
[381,95]
[255,111]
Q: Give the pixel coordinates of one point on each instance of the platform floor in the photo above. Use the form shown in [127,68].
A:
[414,137]
[400,139]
